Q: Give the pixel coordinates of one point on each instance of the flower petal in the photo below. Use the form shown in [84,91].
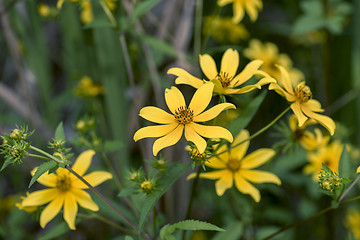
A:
[208,175]
[238,12]
[154,131]
[84,199]
[257,176]
[201,98]
[51,210]
[70,210]
[224,183]
[257,158]
[183,77]
[285,80]
[83,162]
[156,115]
[216,162]
[245,187]
[195,138]
[296,107]
[40,197]
[168,140]
[326,121]
[358,170]
[252,11]
[230,62]
[211,131]
[314,105]
[213,112]
[174,99]
[223,157]
[246,73]
[94,178]
[48,180]
[208,66]
[239,151]
[224,2]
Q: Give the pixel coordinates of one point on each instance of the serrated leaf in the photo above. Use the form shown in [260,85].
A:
[59,132]
[246,114]
[346,169]
[142,8]
[41,170]
[173,172]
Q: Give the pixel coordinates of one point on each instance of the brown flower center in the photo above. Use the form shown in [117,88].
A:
[303,93]
[233,165]
[224,79]
[184,115]
[63,183]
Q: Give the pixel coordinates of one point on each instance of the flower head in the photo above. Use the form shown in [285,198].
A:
[88,88]
[302,104]
[238,168]
[184,118]
[66,190]
[226,81]
[240,6]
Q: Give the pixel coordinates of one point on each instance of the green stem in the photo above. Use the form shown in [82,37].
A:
[192,196]
[45,153]
[108,13]
[309,218]
[255,134]
[38,156]
[154,221]
[349,188]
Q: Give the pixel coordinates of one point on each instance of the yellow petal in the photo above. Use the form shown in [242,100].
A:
[216,162]
[313,105]
[213,112]
[208,175]
[296,107]
[70,210]
[238,12]
[326,121]
[224,183]
[174,99]
[40,197]
[285,80]
[94,178]
[51,210]
[201,98]
[59,3]
[224,2]
[211,131]
[252,11]
[208,66]
[84,199]
[223,157]
[168,140]
[48,180]
[154,131]
[230,62]
[183,77]
[279,90]
[218,88]
[246,73]
[156,115]
[257,176]
[257,158]
[245,187]
[358,170]
[83,162]
[239,151]
[195,138]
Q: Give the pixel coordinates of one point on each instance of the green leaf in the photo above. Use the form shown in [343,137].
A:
[6,163]
[142,8]
[246,114]
[233,232]
[57,231]
[41,170]
[158,45]
[128,238]
[112,146]
[98,23]
[59,132]
[131,190]
[173,172]
[346,168]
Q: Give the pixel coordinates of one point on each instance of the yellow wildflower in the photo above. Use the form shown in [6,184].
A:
[269,53]
[184,118]
[358,170]
[352,221]
[86,14]
[66,190]
[20,206]
[235,167]
[302,104]
[225,81]
[88,88]
[329,155]
[240,6]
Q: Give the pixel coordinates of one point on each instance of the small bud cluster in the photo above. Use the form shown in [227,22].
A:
[140,183]
[197,157]
[329,180]
[159,164]
[86,128]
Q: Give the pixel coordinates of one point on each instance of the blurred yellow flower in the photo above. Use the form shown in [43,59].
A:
[240,6]
[88,88]
[184,118]
[302,104]
[235,167]
[358,170]
[20,206]
[223,29]
[329,155]
[66,190]
[269,54]
[352,221]
[225,81]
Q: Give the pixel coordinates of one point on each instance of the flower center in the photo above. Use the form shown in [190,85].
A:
[303,93]
[233,165]
[63,183]
[184,115]
[224,78]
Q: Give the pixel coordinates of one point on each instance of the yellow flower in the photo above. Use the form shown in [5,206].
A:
[20,206]
[302,104]
[88,88]
[358,170]
[329,155]
[269,53]
[353,222]
[184,118]
[235,167]
[66,190]
[240,6]
[86,14]
[225,81]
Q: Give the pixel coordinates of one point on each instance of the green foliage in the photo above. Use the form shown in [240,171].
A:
[232,232]
[142,8]
[43,168]
[59,132]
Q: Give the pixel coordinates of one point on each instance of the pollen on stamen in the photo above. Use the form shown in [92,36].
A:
[233,165]
[184,115]
[303,92]
[63,183]
[224,78]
